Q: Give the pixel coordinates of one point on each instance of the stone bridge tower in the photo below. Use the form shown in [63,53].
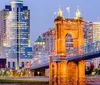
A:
[64,72]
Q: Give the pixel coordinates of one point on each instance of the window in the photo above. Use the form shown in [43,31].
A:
[13,65]
[8,64]
[23,64]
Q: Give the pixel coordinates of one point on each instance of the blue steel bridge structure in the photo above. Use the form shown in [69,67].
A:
[87,52]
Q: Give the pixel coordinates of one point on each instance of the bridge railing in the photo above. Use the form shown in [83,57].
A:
[85,50]
[80,52]
[39,61]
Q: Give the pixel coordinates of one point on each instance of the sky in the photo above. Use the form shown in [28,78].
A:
[43,12]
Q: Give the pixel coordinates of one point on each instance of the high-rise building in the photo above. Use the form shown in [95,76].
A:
[88,36]
[96,31]
[3,15]
[45,43]
[88,33]
[39,47]
[49,38]
[96,37]
[92,34]
[17,34]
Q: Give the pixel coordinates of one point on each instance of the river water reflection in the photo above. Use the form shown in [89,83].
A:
[24,84]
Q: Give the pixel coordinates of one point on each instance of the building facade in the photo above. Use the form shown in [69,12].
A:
[88,33]
[96,37]
[3,15]
[39,46]
[92,34]
[96,31]
[17,34]
[49,38]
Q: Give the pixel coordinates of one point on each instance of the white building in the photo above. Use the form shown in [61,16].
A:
[23,63]
[96,31]
[88,33]
[96,37]
[91,35]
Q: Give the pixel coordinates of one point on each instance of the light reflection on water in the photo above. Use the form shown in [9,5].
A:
[64,81]
[24,84]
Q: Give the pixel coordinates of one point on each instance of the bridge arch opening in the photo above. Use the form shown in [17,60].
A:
[68,43]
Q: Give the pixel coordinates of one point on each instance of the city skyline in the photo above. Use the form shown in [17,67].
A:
[15,28]
[57,42]
[43,12]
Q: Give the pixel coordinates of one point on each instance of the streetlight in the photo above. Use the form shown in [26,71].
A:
[38,73]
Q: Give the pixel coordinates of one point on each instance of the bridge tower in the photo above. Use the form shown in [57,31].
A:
[65,72]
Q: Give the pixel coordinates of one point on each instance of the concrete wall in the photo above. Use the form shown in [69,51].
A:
[11,60]
[47,73]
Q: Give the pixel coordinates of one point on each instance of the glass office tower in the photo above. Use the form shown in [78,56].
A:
[17,44]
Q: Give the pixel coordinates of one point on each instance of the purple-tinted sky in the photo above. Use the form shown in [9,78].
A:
[42,12]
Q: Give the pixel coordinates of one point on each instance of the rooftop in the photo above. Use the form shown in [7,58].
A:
[39,39]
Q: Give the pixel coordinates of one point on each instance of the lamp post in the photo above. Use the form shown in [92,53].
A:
[38,73]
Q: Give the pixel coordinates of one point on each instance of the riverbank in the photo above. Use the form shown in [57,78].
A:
[22,82]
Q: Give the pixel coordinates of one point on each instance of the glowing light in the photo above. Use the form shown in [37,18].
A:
[68,9]
[38,73]
[55,13]
[4,44]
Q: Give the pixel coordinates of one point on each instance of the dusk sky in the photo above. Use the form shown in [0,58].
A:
[42,12]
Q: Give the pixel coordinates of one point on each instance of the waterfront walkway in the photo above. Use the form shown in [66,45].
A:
[90,80]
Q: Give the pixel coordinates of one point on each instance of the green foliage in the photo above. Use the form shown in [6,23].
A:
[97,70]
[89,70]
[14,73]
